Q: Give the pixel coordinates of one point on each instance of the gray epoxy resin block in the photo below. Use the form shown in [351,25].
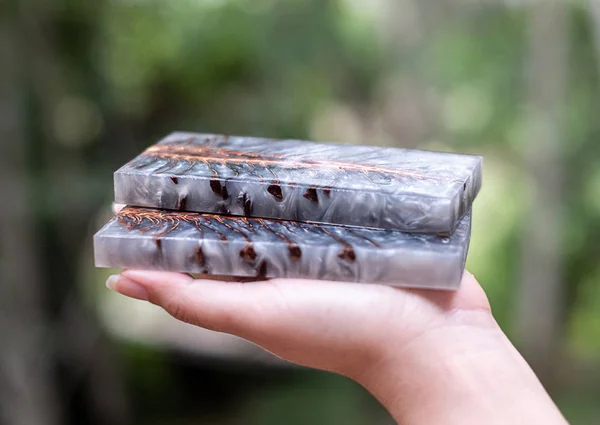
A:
[366,186]
[150,239]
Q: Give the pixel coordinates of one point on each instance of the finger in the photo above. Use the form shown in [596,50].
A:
[470,296]
[299,320]
[314,323]
[212,304]
[279,304]
[288,310]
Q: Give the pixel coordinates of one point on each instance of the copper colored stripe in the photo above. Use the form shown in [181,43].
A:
[347,253]
[358,235]
[233,229]
[293,248]
[213,155]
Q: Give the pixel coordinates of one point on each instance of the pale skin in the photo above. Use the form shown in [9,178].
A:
[430,357]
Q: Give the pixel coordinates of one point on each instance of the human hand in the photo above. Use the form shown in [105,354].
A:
[431,357]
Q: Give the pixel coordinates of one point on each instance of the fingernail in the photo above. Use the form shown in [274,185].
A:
[127,287]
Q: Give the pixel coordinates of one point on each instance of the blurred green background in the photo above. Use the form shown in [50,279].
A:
[86,85]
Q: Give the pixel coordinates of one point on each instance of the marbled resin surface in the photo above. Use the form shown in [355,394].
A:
[152,239]
[389,188]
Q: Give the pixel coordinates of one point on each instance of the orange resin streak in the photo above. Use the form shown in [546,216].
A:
[207,155]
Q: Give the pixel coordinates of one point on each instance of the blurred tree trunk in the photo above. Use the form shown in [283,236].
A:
[402,114]
[594,11]
[27,381]
[539,303]
[80,380]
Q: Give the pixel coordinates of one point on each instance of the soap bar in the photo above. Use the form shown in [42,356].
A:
[366,186]
[151,239]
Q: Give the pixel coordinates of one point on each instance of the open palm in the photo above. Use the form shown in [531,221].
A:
[429,356]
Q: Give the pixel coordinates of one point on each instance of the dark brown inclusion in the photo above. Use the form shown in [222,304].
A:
[295,252]
[347,254]
[311,193]
[181,203]
[219,189]
[248,254]
[275,190]
[247,205]
[262,270]
[327,191]
[200,256]
[174,179]
[158,242]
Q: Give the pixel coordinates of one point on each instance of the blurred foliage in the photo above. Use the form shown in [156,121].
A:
[241,67]
[123,73]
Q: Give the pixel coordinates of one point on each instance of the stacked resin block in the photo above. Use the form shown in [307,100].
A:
[252,207]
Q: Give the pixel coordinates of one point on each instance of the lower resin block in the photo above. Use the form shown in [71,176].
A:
[140,238]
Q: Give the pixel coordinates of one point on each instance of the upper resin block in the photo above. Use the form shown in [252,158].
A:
[150,239]
[390,188]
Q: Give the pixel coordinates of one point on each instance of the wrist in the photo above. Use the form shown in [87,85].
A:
[465,372]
